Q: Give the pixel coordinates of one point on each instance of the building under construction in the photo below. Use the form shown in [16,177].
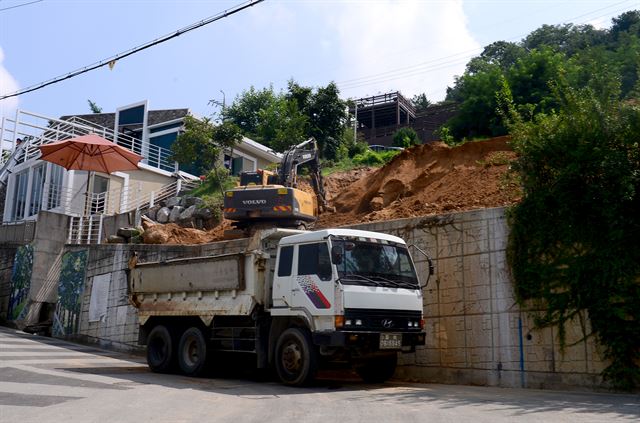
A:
[380,116]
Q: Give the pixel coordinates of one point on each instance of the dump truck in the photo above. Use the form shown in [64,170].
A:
[295,300]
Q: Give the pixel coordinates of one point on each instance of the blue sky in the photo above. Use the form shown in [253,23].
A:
[367,47]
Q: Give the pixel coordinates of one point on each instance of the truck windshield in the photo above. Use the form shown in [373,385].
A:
[376,264]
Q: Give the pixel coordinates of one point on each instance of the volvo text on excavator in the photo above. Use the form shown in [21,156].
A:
[266,199]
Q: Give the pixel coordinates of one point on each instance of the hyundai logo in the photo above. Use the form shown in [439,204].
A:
[387,323]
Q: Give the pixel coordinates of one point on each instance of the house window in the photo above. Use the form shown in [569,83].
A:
[235,164]
[55,186]
[37,184]
[20,195]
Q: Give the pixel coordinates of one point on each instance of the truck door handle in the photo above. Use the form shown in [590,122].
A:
[295,290]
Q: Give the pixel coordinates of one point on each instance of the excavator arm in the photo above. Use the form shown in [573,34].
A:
[305,153]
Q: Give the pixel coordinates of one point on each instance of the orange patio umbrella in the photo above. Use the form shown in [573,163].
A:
[90,152]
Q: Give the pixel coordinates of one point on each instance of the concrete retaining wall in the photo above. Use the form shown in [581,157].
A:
[476,334]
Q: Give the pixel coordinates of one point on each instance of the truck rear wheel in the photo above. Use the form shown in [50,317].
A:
[160,356]
[192,352]
[296,357]
[378,369]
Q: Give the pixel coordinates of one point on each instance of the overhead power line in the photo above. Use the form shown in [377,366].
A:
[454,59]
[20,5]
[111,60]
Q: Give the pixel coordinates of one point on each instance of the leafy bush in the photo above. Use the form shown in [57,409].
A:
[573,244]
[372,158]
[405,137]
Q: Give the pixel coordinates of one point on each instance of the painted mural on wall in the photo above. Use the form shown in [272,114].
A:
[70,288]
[20,283]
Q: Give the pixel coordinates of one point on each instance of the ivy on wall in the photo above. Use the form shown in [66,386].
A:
[574,245]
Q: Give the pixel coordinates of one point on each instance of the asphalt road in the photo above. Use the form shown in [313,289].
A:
[48,380]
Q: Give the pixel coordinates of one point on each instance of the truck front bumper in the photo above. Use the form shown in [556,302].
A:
[365,340]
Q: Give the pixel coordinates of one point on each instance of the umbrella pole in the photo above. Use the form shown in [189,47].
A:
[87,203]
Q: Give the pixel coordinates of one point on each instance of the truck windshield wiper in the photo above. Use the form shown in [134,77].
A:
[383,279]
[358,278]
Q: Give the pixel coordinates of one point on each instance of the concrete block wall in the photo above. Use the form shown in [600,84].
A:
[476,333]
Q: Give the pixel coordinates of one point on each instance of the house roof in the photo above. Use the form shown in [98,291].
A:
[108,120]
[260,150]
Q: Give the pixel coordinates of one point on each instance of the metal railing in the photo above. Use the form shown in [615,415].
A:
[85,229]
[38,130]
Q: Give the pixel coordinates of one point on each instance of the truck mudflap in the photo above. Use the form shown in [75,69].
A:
[372,341]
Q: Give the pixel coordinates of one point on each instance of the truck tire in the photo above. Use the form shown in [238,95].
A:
[192,352]
[378,369]
[160,356]
[296,358]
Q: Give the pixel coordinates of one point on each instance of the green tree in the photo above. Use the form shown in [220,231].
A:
[405,137]
[94,107]
[280,120]
[573,245]
[200,145]
[420,102]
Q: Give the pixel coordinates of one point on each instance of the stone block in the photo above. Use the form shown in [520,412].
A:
[449,240]
[153,212]
[162,216]
[172,202]
[187,213]
[175,214]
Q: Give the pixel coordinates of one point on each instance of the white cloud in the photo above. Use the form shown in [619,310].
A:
[8,84]
[410,45]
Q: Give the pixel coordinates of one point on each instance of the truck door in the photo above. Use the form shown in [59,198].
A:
[312,286]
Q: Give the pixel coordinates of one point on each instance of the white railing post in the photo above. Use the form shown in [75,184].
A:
[100,229]
[178,186]
[176,167]
[15,132]
[70,230]
[80,225]
[2,134]
[90,231]
[152,199]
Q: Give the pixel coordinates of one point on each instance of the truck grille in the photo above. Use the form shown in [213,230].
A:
[381,320]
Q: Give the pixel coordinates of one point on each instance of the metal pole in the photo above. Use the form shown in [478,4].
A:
[355,124]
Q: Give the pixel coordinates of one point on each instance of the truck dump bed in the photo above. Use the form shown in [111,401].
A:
[230,284]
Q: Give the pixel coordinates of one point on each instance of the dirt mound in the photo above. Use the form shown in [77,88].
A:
[170,233]
[426,179]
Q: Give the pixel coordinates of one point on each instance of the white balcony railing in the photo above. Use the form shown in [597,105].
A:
[36,130]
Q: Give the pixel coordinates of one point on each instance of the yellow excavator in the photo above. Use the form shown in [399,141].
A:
[272,199]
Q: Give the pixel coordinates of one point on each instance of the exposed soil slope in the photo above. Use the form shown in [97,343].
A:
[427,179]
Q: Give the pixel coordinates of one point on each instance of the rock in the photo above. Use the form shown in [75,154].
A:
[211,222]
[129,232]
[163,215]
[193,201]
[116,239]
[188,213]
[175,214]
[377,203]
[152,212]
[155,235]
[203,213]
[172,202]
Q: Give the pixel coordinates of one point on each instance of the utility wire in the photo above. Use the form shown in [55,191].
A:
[440,63]
[119,56]
[20,5]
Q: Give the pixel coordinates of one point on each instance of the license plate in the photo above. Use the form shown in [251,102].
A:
[390,341]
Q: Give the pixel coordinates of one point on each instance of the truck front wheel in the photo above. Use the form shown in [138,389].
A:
[378,369]
[296,358]
[160,357]
[192,352]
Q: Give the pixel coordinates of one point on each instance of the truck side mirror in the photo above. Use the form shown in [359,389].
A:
[336,254]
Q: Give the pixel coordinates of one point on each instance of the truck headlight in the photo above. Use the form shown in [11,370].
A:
[348,322]
[358,322]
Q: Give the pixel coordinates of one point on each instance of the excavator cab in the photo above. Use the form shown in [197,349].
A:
[259,177]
